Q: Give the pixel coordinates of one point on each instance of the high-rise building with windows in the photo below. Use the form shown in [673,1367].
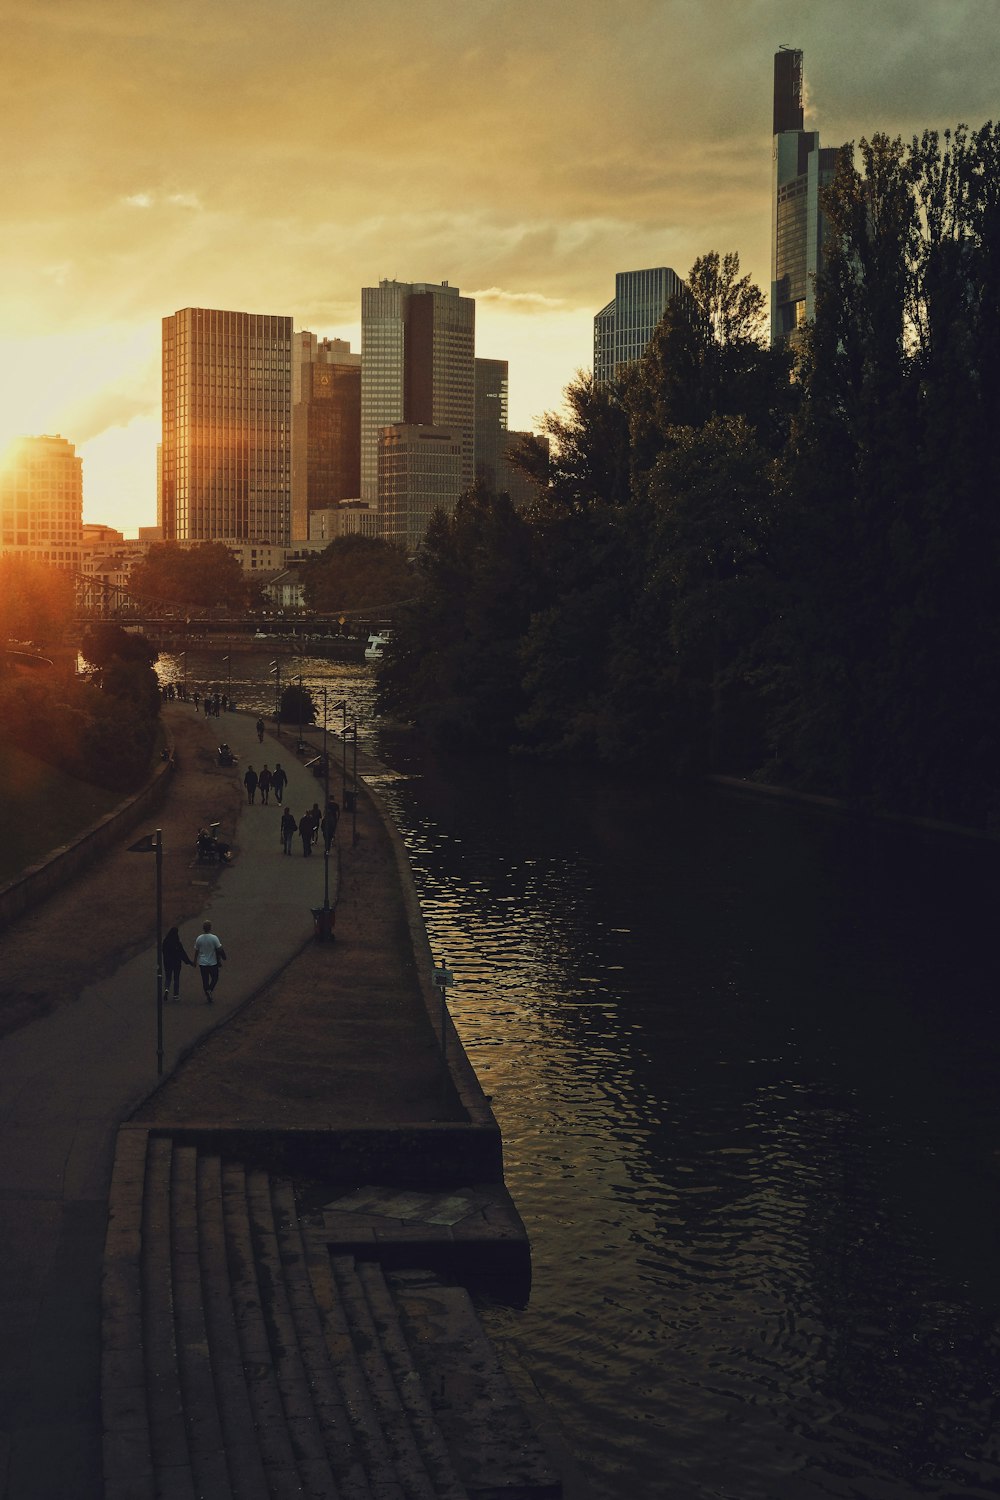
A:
[491,420]
[417,366]
[419,472]
[41,502]
[623,329]
[801,169]
[227,442]
[326,427]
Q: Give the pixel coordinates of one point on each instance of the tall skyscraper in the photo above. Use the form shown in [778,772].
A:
[491,420]
[623,329]
[417,366]
[41,501]
[326,427]
[227,443]
[800,170]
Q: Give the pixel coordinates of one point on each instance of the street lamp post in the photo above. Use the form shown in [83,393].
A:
[299,681]
[153,844]
[326,815]
[229,681]
[342,705]
[352,734]
[275,668]
[184,676]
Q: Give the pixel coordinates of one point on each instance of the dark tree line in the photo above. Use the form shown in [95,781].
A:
[744,560]
[103,728]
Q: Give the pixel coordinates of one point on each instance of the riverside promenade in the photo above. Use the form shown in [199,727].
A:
[318,1064]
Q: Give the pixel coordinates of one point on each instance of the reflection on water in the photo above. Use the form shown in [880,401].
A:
[745,1064]
[253,685]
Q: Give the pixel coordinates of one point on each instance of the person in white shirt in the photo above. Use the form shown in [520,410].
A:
[208,956]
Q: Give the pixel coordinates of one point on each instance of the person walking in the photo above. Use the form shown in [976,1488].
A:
[317,818]
[209,954]
[328,826]
[173,954]
[279,781]
[264,781]
[306,832]
[250,782]
[260,730]
[288,827]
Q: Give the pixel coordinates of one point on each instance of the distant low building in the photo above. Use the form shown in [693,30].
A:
[285,589]
[349,518]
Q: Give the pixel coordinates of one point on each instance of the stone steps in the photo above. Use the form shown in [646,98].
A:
[242,1360]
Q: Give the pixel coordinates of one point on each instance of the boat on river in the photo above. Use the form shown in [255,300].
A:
[377,642]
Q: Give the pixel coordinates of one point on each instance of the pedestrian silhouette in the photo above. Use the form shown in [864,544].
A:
[209,954]
[306,832]
[173,953]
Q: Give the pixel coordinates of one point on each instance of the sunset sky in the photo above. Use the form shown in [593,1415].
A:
[160,154]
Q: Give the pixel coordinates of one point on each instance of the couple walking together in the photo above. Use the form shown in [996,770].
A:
[208,960]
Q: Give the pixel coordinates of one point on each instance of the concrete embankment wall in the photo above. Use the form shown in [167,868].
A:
[39,881]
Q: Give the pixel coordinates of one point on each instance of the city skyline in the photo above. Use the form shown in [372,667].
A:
[164,157]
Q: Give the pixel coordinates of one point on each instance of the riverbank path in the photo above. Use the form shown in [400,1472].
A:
[69,1077]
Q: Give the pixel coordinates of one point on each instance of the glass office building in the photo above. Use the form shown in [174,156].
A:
[623,329]
[800,170]
[417,367]
[226,454]
[41,502]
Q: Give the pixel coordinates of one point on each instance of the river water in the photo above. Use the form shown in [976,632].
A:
[745,1062]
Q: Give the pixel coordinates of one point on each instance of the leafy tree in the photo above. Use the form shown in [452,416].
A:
[356,572]
[708,357]
[105,641]
[892,640]
[297,705]
[36,601]
[201,576]
[686,656]
[452,663]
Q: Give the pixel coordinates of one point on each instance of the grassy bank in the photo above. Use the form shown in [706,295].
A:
[42,809]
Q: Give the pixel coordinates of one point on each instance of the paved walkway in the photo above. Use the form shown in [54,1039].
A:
[68,1078]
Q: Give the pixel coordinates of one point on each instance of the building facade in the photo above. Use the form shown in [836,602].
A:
[417,367]
[326,426]
[349,518]
[800,170]
[420,471]
[226,451]
[492,385]
[41,502]
[623,329]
